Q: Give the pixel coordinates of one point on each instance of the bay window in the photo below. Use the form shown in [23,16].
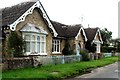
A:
[35,38]
[35,43]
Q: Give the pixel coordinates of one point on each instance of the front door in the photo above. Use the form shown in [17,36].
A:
[78,49]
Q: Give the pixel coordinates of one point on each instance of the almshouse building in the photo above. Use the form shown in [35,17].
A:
[42,35]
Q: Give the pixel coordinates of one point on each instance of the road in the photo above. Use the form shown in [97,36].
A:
[109,72]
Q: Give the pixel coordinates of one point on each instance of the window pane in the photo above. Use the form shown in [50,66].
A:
[58,46]
[55,46]
[33,37]
[38,47]
[42,38]
[52,46]
[42,47]
[27,37]
[38,38]
[27,46]
[33,46]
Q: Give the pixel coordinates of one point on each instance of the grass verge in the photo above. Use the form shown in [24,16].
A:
[57,71]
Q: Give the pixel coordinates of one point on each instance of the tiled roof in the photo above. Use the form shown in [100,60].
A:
[90,33]
[11,14]
[67,31]
[60,28]
[2,34]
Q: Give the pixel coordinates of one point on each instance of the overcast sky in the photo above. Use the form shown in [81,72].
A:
[96,13]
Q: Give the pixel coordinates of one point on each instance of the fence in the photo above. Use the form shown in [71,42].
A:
[15,63]
[45,60]
[107,54]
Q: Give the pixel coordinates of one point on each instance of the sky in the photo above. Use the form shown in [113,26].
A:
[95,13]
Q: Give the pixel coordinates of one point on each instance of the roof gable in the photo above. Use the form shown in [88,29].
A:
[82,32]
[33,28]
[91,34]
[16,14]
[72,30]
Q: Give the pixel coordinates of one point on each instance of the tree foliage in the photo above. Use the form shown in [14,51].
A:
[116,44]
[15,44]
[84,54]
[106,36]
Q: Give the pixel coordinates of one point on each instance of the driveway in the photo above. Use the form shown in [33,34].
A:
[109,72]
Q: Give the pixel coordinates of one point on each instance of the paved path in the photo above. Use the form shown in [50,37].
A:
[110,72]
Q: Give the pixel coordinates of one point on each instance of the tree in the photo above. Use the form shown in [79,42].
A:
[15,44]
[106,36]
[116,44]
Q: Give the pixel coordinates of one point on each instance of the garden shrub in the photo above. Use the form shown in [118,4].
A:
[84,54]
[15,44]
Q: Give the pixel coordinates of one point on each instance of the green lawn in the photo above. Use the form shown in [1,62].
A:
[58,71]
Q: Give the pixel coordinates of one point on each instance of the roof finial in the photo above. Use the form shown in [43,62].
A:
[88,25]
[81,19]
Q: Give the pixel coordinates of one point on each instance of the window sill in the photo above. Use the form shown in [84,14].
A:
[56,52]
[37,54]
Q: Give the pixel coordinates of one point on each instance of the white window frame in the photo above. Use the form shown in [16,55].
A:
[54,46]
[36,41]
[98,48]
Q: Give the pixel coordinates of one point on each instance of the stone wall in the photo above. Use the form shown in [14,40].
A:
[34,61]
[16,63]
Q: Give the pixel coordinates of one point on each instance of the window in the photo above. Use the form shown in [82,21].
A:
[35,43]
[56,46]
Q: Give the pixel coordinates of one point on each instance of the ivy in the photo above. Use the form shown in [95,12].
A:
[15,44]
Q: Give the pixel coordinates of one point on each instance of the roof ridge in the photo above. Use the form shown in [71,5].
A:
[17,5]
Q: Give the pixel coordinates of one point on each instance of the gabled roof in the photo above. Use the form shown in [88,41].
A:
[73,30]
[60,28]
[91,33]
[11,16]
[67,31]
